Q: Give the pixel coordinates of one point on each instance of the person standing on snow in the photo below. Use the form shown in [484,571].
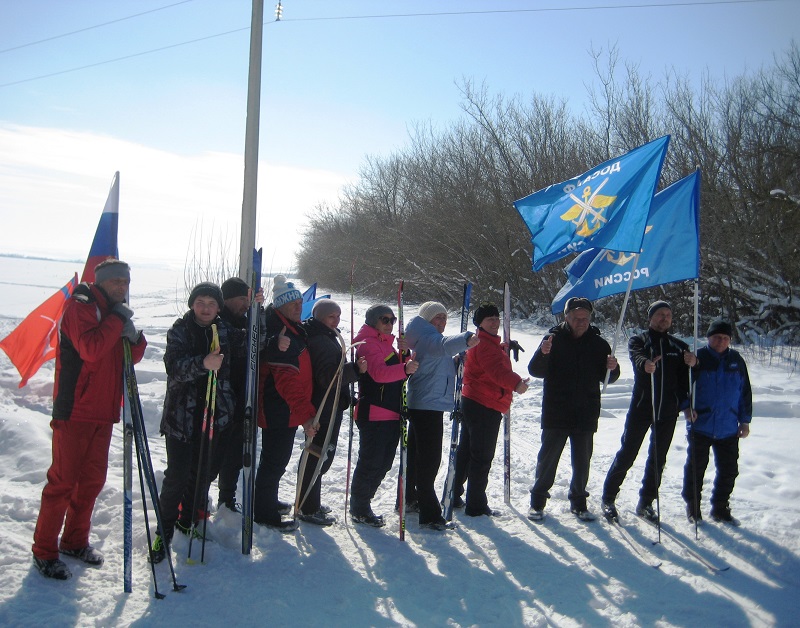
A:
[87,397]
[664,361]
[573,360]
[285,403]
[189,360]
[326,355]
[430,394]
[723,409]
[487,392]
[377,412]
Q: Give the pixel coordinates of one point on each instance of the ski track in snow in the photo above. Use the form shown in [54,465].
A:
[506,571]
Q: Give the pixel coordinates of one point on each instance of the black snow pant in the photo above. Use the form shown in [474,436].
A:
[428,431]
[726,460]
[276,450]
[632,438]
[231,464]
[180,481]
[483,426]
[377,447]
[313,502]
[553,441]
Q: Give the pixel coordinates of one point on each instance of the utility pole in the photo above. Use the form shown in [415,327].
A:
[248,231]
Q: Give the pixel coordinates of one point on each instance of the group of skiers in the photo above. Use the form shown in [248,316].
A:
[305,381]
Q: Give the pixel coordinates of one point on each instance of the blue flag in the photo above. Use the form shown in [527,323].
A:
[606,207]
[670,250]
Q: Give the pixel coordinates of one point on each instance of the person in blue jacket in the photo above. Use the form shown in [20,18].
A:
[723,409]
[430,394]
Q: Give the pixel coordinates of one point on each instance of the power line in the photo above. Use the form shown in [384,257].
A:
[659,5]
[88,28]
[693,3]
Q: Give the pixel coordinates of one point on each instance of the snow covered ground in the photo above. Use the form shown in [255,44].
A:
[506,571]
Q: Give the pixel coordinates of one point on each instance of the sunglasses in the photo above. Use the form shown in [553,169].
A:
[388,320]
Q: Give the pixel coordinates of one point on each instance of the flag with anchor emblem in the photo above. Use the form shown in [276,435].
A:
[604,208]
[670,250]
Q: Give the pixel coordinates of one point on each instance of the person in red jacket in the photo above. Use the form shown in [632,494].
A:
[488,388]
[287,383]
[87,399]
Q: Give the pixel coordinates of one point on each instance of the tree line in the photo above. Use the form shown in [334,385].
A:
[439,211]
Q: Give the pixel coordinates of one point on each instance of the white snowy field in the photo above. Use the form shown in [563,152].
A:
[505,571]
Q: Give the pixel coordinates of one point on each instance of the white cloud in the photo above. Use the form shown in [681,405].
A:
[54,182]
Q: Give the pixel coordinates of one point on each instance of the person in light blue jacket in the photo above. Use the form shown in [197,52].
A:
[723,409]
[430,394]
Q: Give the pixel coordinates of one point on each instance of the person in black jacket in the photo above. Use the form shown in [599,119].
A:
[663,361]
[189,359]
[573,359]
[326,356]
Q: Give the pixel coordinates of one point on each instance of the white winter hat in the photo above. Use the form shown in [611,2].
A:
[431,309]
[283,291]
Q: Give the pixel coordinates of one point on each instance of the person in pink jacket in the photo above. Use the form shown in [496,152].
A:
[378,409]
[488,389]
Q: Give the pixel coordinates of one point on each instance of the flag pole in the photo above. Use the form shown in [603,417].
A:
[621,318]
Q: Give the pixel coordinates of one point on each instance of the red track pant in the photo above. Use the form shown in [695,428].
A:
[74,480]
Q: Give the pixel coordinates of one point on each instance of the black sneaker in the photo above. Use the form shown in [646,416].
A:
[609,510]
[370,519]
[319,518]
[583,514]
[54,568]
[87,554]
[646,511]
[723,515]
[440,525]
[158,551]
[231,505]
[284,508]
[536,514]
[482,511]
[284,526]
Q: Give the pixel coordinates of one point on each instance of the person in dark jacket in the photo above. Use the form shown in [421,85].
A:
[573,360]
[190,360]
[285,403]
[326,357]
[377,412]
[664,361]
[723,409]
[87,397]
[488,389]
[430,394]
[236,294]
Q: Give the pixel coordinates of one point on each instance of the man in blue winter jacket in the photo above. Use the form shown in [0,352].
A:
[723,409]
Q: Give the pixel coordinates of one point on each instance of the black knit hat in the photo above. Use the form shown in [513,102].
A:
[207,289]
[657,305]
[720,326]
[484,311]
[234,287]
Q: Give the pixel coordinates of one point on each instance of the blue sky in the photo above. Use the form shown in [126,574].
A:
[339,84]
